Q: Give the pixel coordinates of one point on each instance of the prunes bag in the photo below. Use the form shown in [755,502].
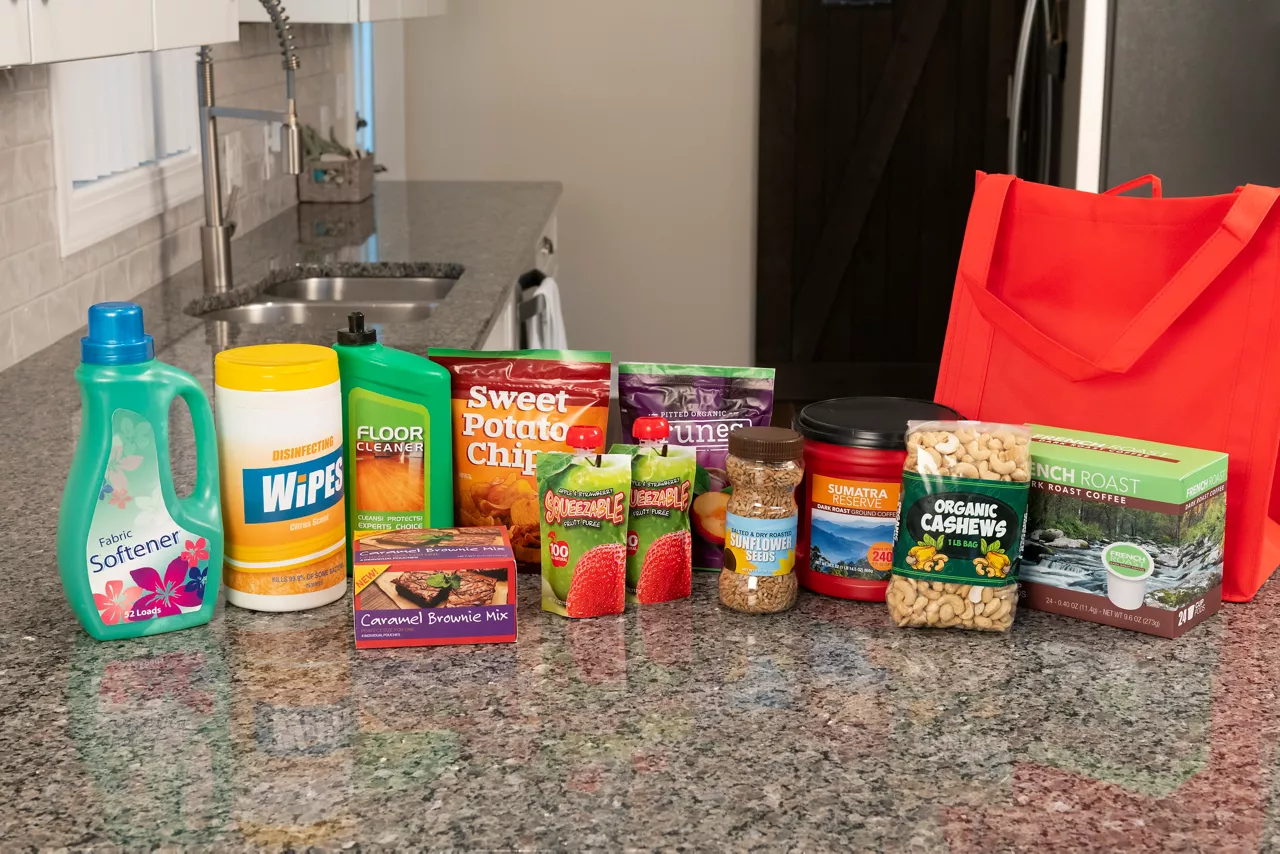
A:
[961,520]
[703,405]
[507,408]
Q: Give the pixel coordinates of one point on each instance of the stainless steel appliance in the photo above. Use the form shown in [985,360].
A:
[1107,90]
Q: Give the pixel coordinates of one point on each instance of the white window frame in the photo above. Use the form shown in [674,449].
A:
[106,208]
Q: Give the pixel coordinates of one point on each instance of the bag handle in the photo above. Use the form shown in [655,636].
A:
[1157,190]
[1241,223]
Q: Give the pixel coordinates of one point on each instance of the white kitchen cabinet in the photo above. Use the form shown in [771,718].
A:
[306,11]
[399,10]
[15,32]
[188,23]
[40,31]
[505,334]
[78,29]
[346,11]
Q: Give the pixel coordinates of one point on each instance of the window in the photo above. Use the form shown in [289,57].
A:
[126,141]
[363,53]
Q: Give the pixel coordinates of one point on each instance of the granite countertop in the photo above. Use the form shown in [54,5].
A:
[681,726]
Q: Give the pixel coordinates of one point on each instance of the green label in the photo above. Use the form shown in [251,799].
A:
[659,544]
[1128,560]
[583,503]
[1097,463]
[392,472]
[959,530]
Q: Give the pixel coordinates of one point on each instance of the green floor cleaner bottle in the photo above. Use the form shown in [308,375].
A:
[396,436]
[136,559]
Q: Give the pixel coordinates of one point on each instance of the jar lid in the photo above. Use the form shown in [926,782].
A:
[766,444]
[275,367]
[874,423]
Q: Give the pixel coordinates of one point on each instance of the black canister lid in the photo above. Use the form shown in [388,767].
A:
[874,423]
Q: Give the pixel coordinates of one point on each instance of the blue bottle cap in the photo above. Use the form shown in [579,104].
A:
[115,336]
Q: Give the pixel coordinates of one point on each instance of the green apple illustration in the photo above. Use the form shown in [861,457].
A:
[669,482]
[578,478]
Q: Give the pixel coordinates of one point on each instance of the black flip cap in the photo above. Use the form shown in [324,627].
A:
[355,334]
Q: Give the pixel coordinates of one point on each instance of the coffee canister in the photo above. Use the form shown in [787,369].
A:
[853,455]
[278,409]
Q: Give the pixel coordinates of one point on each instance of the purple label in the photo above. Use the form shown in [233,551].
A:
[431,553]
[703,406]
[436,623]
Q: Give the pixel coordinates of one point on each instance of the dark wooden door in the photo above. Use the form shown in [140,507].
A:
[873,120]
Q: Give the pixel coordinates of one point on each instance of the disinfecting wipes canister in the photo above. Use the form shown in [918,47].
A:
[278,410]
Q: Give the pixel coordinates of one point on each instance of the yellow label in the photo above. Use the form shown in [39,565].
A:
[366,574]
[284,514]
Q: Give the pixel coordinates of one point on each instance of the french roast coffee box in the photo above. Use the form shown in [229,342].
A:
[1124,532]
[434,587]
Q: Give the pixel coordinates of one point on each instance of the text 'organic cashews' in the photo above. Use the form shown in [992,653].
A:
[961,521]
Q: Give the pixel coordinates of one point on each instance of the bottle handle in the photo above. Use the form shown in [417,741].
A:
[181,384]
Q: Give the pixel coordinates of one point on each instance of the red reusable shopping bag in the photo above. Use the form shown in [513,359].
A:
[1149,318]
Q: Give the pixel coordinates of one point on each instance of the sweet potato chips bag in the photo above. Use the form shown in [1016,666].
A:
[507,408]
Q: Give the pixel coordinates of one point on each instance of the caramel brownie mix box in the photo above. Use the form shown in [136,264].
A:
[434,587]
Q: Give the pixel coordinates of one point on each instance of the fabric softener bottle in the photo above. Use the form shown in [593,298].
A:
[136,559]
[396,436]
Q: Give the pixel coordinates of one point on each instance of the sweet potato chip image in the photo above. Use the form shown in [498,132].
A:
[525,512]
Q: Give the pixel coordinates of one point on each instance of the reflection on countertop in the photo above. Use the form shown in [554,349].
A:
[682,724]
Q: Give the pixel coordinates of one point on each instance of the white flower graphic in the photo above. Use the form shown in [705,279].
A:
[151,510]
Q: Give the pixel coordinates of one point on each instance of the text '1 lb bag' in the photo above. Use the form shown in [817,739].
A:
[1152,318]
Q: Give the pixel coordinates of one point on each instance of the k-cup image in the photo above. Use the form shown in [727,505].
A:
[1128,566]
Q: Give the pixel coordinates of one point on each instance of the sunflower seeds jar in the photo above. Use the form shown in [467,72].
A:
[765,465]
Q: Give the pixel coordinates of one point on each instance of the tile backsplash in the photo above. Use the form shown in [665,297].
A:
[44,296]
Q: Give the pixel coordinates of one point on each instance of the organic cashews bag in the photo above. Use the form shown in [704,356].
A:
[961,520]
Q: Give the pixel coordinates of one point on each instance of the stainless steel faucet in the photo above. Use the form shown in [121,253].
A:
[215,237]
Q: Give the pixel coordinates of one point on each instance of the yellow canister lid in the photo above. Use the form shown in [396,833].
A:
[275,367]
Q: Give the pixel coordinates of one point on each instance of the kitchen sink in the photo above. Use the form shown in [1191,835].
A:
[322,312]
[363,289]
[327,300]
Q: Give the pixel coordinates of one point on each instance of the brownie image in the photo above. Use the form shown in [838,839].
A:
[474,588]
[414,587]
